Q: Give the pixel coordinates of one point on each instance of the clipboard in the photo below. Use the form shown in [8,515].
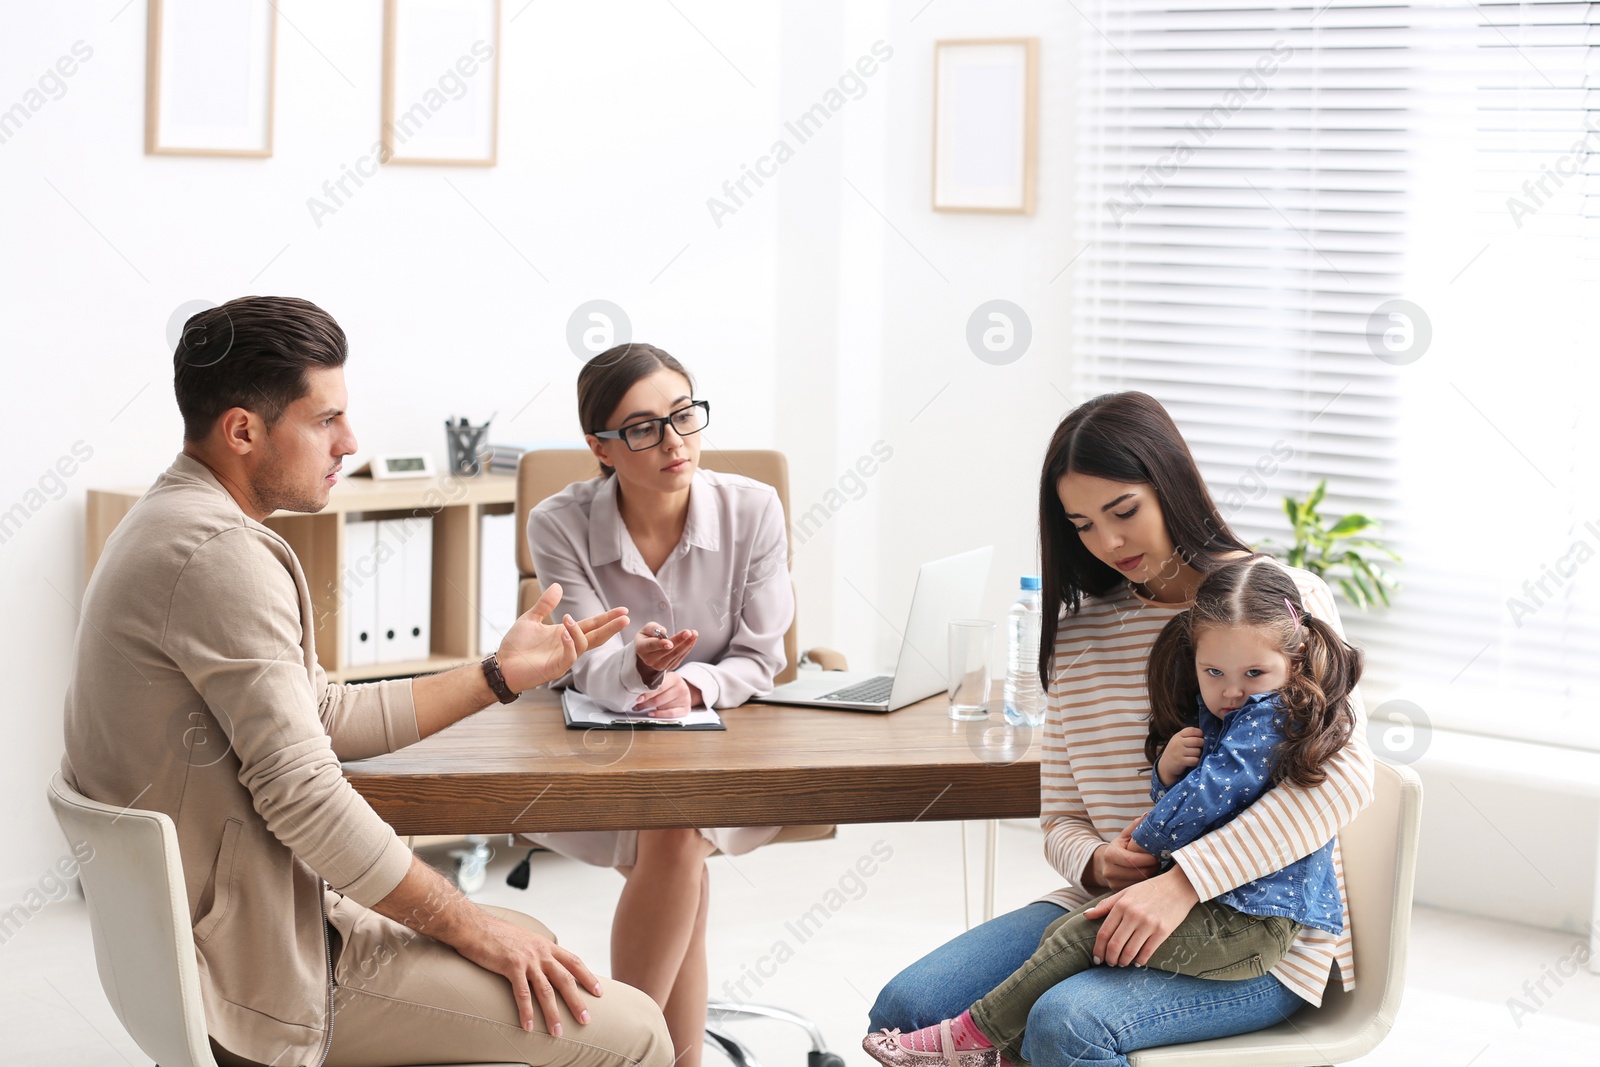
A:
[584,713]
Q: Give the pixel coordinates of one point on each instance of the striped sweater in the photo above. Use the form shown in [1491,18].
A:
[1094,779]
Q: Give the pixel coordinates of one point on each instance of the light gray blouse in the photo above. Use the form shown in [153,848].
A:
[728,578]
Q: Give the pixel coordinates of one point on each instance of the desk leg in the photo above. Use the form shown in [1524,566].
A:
[990,851]
[1594,915]
[966,879]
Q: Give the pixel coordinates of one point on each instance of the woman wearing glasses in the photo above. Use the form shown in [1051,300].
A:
[700,560]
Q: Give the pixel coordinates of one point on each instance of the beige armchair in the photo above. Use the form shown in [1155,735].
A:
[1380,865]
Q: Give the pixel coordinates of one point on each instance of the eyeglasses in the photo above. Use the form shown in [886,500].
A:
[647,433]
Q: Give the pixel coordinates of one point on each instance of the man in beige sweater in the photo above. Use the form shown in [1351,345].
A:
[196,691]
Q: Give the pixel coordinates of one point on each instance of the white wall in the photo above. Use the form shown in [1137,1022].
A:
[813,325]
[882,354]
[617,121]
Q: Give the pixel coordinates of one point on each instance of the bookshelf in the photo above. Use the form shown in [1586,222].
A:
[456,505]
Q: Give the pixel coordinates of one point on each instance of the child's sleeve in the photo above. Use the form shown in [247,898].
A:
[1222,784]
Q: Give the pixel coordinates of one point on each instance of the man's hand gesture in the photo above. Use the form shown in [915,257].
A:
[533,652]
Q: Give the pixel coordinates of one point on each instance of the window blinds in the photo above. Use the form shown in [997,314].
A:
[1257,185]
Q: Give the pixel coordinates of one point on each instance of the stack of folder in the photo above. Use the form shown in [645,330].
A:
[388,590]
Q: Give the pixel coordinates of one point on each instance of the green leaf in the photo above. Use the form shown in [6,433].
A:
[1372,568]
[1316,495]
[1385,579]
[1360,570]
[1352,593]
[1350,525]
[1371,578]
[1291,508]
[1376,546]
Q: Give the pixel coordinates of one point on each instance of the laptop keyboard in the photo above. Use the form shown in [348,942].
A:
[872,691]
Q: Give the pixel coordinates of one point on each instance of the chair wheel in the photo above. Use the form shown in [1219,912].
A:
[472,866]
[824,1059]
[471,875]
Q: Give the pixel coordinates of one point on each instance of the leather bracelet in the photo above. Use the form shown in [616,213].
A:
[496,680]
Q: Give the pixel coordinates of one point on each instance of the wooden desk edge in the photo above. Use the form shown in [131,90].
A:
[538,776]
[526,802]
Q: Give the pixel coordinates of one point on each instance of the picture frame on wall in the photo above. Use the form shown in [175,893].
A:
[985,125]
[210,77]
[441,82]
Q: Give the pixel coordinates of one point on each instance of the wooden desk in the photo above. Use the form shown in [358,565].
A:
[517,768]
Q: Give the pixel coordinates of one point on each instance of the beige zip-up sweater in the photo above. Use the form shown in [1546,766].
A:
[195,691]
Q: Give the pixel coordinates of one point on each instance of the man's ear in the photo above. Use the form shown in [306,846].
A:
[241,430]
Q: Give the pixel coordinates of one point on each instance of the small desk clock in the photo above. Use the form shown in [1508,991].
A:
[398,465]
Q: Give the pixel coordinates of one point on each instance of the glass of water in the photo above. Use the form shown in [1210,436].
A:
[971,659]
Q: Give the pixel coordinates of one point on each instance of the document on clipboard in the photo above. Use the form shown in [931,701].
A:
[584,713]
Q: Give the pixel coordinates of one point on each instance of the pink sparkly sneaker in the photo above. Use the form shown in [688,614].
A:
[885,1047]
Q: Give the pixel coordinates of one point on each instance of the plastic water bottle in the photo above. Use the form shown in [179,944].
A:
[1024,703]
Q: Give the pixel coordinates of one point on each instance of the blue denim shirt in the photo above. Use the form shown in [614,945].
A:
[1235,768]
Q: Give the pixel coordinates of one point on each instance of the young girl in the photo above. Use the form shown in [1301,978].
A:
[1247,690]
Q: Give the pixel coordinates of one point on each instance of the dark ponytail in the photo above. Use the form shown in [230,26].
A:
[1316,700]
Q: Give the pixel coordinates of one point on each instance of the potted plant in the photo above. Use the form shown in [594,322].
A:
[1336,553]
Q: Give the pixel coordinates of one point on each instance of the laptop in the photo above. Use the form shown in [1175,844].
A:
[950,588]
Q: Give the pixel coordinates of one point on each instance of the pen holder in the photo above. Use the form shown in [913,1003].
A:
[466,446]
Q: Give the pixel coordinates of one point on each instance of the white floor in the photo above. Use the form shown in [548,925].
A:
[1462,970]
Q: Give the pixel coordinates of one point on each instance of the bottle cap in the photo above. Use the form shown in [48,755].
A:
[1030,582]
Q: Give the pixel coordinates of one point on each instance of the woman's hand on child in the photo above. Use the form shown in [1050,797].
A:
[1182,752]
[1138,919]
[1120,863]
[673,698]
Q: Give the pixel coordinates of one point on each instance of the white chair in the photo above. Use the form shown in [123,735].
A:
[1380,863]
[139,915]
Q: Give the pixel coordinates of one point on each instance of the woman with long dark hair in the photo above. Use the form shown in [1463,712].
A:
[701,561]
[1128,530]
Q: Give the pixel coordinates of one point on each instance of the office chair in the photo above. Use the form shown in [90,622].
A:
[1380,865]
[544,472]
[139,916]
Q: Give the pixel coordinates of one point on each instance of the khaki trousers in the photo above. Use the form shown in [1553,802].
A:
[401,998]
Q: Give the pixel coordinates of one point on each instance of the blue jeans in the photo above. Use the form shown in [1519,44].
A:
[1094,1018]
